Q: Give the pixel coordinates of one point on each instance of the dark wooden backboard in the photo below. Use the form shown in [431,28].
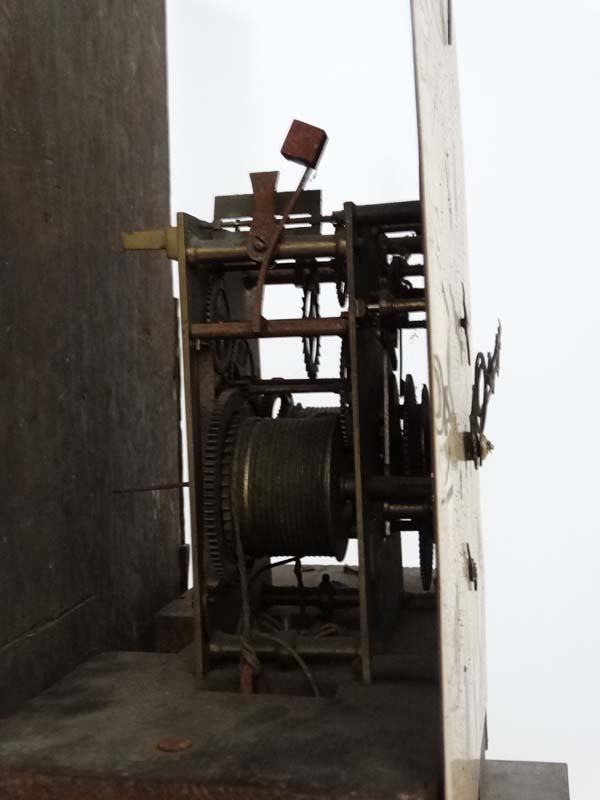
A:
[88,347]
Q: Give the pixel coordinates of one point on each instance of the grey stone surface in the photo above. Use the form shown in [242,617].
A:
[525,780]
[88,398]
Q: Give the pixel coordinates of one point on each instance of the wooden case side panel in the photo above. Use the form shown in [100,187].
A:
[461,605]
[88,397]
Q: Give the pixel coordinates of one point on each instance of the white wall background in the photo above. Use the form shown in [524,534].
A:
[239,72]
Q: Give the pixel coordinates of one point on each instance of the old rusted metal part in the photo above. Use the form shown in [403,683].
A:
[264,224]
[247,674]
[270,251]
[304,144]
[403,305]
[173,744]
[233,251]
[271,328]
[279,386]
[290,246]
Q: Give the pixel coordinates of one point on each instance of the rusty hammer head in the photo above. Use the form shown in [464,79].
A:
[304,144]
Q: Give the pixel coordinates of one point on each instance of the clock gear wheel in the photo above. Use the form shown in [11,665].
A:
[216,309]
[311,345]
[416,461]
[229,411]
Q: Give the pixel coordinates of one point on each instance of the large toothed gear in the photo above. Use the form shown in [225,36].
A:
[230,409]
[395,423]
[416,460]
[373,415]
[242,361]
[411,439]
[216,309]
[311,345]
[345,396]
